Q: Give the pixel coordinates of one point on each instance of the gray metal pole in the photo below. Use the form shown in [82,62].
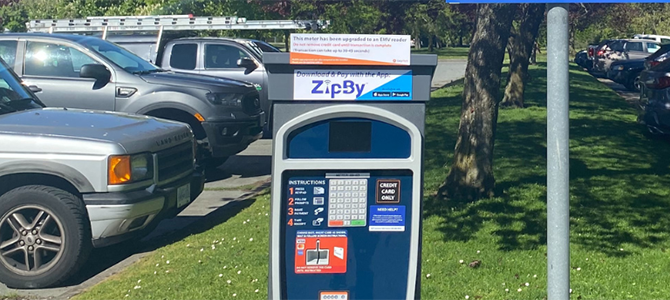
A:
[558,128]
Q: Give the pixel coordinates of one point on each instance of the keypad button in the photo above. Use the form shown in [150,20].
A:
[347,188]
[347,217]
[361,211]
[354,188]
[340,188]
[347,211]
[362,217]
[333,195]
[354,200]
[347,194]
[347,200]
[347,182]
[332,217]
[347,206]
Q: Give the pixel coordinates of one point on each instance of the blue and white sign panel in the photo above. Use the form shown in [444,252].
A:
[387,218]
[352,85]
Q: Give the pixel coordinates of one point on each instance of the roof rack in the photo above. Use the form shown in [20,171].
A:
[162,23]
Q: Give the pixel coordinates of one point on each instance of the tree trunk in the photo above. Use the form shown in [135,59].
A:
[521,45]
[471,174]
[417,41]
[431,41]
[287,37]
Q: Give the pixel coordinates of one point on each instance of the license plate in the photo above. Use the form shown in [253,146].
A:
[183,195]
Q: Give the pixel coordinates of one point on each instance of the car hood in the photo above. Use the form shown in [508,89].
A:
[134,133]
[195,80]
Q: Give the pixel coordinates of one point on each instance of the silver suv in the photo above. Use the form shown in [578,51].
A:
[72,179]
[87,72]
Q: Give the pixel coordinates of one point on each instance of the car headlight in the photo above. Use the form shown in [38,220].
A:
[618,68]
[123,169]
[225,99]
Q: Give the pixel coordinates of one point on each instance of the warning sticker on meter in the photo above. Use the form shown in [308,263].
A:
[339,295]
[321,251]
[387,218]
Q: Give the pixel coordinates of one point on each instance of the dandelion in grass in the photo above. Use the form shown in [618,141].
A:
[467,297]
[234,295]
[221,275]
[167,262]
[527,284]
[239,272]
[251,239]
[202,249]
[460,261]
[579,269]
[507,290]
[137,287]
[245,222]
[535,276]
[519,290]
[478,251]
[256,291]
[427,275]
[229,281]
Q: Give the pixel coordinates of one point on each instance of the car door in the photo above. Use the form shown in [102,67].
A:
[182,57]
[220,59]
[635,50]
[53,69]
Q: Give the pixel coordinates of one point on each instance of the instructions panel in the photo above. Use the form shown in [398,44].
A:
[320,251]
[350,49]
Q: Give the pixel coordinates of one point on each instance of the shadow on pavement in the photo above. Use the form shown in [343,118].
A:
[244,166]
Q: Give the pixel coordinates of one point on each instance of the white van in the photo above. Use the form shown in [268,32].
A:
[663,39]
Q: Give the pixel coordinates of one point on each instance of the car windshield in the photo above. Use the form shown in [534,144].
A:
[13,95]
[120,56]
[258,48]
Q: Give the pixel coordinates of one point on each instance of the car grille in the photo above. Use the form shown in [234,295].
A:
[251,104]
[174,161]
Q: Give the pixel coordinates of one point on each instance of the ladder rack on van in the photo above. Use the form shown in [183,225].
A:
[162,23]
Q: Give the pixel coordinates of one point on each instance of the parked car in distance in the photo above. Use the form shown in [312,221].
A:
[72,180]
[654,104]
[657,57]
[661,39]
[581,59]
[69,70]
[622,49]
[627,73]
[233,58]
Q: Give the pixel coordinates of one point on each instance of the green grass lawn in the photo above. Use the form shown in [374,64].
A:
[620,212]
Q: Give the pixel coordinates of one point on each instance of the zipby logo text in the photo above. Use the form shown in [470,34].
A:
[347,87]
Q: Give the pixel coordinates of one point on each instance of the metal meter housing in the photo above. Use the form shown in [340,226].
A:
[346,190]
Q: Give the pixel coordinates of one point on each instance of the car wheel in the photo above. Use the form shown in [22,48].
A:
[636,83]
[45,236]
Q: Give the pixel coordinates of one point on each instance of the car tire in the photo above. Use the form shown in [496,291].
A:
[47,226]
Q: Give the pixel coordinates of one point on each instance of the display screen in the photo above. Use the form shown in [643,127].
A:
[350,137]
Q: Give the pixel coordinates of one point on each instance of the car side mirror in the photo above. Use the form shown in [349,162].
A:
[95,71]
[246,62]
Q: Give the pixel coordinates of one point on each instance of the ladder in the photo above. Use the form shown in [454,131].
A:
[161,23]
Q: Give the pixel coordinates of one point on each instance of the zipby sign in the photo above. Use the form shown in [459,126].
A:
[352,85]
[350,49]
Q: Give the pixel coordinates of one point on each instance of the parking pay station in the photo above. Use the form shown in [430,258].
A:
[348,128]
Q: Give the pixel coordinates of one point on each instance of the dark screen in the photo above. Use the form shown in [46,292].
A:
[350,137]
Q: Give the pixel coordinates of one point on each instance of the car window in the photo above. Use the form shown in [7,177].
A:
[184,56]
[665,41]
[47,59]
[616,46]
[652,47]
[222,56]
[14,95]
[634,46]
[8,52]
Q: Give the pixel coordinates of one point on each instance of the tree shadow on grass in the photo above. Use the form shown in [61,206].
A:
[619,183]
